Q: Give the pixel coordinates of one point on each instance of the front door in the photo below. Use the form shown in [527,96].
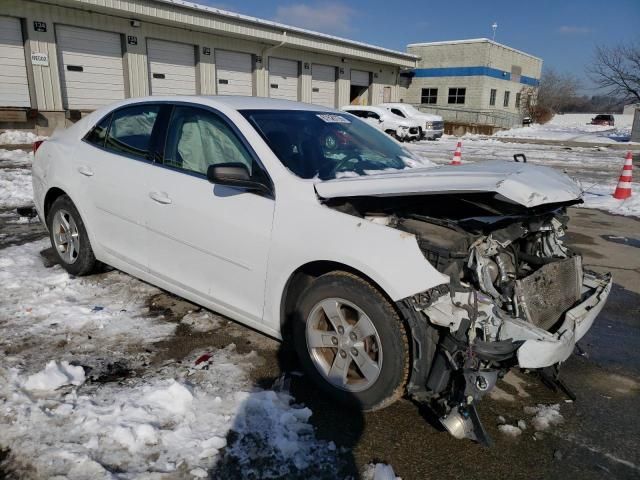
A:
[208,240]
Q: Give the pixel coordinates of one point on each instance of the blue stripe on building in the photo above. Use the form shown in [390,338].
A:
[471,72]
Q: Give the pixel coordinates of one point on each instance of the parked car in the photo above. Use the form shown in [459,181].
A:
[400,128]
[432,126]
[304,223]
[603,120]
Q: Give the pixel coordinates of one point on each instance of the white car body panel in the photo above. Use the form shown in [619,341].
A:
[527,185]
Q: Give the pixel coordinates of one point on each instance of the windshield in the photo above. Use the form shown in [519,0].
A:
[326,144]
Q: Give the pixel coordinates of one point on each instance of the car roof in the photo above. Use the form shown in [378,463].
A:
[234,102]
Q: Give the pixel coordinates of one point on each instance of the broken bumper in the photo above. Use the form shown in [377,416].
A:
[541,348]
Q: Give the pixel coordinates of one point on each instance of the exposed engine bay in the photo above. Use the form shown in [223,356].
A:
[515,289]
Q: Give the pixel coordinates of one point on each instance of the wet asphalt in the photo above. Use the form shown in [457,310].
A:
[599,437]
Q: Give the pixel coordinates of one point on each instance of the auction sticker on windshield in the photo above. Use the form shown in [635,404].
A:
[332,118]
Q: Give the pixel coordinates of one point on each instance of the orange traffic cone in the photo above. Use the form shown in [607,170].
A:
[623,190]
[457,156]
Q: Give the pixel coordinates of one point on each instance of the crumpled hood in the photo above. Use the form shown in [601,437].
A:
[527,185]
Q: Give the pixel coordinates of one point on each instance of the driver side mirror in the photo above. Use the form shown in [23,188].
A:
[235,174]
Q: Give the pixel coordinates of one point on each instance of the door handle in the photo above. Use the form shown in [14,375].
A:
[86,171]
[160,197]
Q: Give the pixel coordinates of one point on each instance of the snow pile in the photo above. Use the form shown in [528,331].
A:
[15,178]
[575,127]
[18,137]
[545,417]
[201,321]
[379,471]
[510,430]
[55,375]
[177,424]
[600,196]
[174,418]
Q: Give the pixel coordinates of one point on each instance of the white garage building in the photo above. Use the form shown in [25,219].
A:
[59,58]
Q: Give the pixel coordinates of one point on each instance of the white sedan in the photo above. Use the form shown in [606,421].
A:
[306,224]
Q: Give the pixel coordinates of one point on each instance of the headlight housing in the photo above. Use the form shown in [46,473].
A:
[429,124]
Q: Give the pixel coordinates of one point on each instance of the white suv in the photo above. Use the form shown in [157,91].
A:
[306,224]
[400,128]
[431,126]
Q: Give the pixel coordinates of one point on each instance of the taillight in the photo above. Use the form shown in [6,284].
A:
[36,145]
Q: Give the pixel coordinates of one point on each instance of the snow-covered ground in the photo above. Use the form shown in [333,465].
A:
[19,137]
[61,335]
[15,178]
[574,127]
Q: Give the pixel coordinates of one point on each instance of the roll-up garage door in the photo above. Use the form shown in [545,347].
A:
[14,90]
[359,91]
[91,67]
[234,73]
[283,79]
[172,68]
[323,85]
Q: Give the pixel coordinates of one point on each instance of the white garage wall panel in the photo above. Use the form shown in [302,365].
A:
[234,73]
[360,78]
[91,69]
[283,79]
[14,90]
[172,67]
[323,85]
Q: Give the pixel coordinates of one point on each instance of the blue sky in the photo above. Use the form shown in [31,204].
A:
[563,33]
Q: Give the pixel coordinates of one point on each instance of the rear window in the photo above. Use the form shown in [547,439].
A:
[130,130]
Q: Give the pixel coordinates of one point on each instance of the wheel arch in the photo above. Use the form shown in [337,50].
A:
[302,277]
[51,196]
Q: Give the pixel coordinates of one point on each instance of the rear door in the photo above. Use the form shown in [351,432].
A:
[283,79]
[234,71]
[172,67]
[91,67]
[112,165]
[14,90]
[209,241]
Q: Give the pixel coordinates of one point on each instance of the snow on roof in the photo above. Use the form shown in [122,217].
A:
[290,28]
[472,40]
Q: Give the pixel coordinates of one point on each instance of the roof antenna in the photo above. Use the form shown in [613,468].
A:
[494,27]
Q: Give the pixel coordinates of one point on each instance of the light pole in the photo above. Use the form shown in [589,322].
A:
[494,27]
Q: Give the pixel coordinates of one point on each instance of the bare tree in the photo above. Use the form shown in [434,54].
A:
[557,90]
[617,69]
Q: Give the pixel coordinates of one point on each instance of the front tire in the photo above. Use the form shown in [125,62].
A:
[69,237]
[351,341]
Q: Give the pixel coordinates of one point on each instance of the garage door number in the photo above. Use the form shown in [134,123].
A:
[41,59]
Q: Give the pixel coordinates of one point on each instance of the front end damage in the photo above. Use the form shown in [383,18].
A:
[517,295]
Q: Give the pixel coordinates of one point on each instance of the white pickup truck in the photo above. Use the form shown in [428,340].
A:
[403,129]
[431,126]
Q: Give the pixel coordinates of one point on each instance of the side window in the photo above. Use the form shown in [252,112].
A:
[395,111]
[130,130]
[99,133]
[198,138]
[374,115]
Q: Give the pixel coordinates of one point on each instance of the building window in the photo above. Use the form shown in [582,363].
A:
[492,97]
[429,95]
[506,98]
[456,95]
[518,95]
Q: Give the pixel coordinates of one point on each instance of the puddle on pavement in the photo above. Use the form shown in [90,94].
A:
[630,241]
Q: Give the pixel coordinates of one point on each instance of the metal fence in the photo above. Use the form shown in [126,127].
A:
[474,117]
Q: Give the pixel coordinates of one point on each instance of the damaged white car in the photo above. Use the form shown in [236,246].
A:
[307,224]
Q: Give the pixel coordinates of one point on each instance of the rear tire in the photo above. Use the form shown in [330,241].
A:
[365,365]
[69,238]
